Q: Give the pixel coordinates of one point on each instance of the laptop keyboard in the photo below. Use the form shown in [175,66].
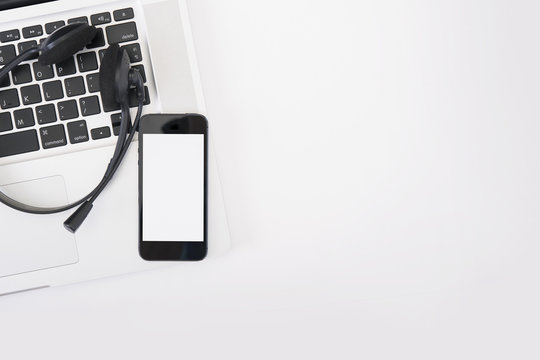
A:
[45,107]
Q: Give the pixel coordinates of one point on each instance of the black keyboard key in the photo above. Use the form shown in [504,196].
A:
[32,31]
[21,74]
[116,120]
[7,53]
[68,110]
[45,114]
[18,143]
[134,52]
[9,98]
[52,90]
[122,32]
[89,105]
[5,82]
[100,133]
[30,94]
[77,132]
[141,70]
[66,67]
[5,122]
[123,14]
[52,26]
[52,136]
[92,81]
[25,45]
[97,41]
[80,19]
[87,61]
[101,18]
[133,97]
[9,35]
[74,86]
[42,72]
[23,118]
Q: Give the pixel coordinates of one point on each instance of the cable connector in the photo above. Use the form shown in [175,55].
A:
[76,219]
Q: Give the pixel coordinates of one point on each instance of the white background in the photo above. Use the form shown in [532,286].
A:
[380,169]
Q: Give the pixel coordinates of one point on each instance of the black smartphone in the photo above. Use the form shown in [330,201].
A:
[173,187]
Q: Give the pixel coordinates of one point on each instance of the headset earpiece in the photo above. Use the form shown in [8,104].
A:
[114,77]
[122,77]
[65,42]
[107,73]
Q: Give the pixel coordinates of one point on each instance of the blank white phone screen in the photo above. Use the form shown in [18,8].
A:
[173,187]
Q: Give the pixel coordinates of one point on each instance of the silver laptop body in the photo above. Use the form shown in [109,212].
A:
[35,250]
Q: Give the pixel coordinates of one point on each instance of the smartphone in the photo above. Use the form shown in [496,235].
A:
[173,187]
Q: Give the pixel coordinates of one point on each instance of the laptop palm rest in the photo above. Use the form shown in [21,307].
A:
[34,242]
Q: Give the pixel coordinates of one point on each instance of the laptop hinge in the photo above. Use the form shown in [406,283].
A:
[13,4]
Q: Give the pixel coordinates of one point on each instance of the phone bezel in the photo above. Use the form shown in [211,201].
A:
[178,124]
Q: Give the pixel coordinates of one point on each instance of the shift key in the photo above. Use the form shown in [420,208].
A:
[122,32]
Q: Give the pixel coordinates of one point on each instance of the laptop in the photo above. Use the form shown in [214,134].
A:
[76,135]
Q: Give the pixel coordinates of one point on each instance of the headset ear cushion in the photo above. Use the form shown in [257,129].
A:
[107,75]
[121,79]
[65,42]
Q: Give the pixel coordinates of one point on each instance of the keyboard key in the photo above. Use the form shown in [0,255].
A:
[30,94]
[134,52]
[9,98]
[74,86]
[21,74]
[7,53]
[89,105]
[53,90]
[45,114]
[25,45]
[10,35]
[101,18]
[5,122]
[5,82]
[92,81]
[18,143]
[52,136]
[100,133]
[68,110]
[80,19]
[23,118]
[87,61]
[122,32]
[42,72]
[66,67]
[32,31]
[101,54]
[141,70]
[133,97]
[52,26]
[97,41]
[116,120]
[77,131]
[123,14]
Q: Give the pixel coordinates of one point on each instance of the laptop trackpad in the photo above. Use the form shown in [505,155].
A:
[32,242]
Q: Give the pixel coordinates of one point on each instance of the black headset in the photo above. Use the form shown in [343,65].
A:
[116,78]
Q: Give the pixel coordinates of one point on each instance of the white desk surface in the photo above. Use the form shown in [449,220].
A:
[380,167]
